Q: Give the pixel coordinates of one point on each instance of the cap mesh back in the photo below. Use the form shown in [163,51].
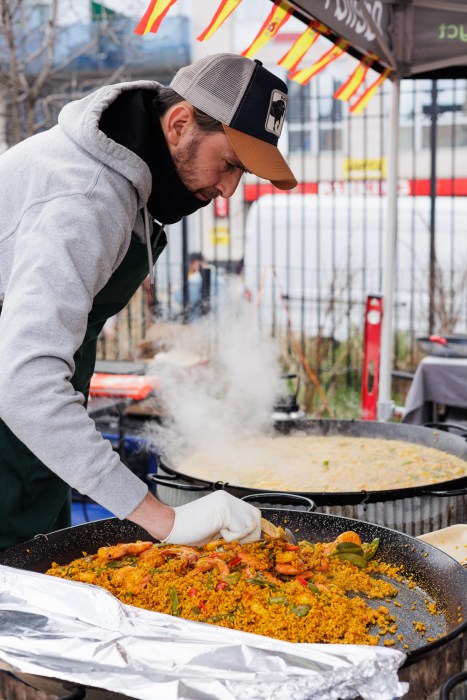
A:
[215,84]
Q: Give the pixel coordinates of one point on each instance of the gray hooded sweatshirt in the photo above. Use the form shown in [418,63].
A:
[70,199]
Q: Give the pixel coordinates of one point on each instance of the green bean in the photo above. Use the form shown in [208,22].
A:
[216,618]
[279,600]
[300,610]
[369,550]
[263,583]
[314,589]
[174,600]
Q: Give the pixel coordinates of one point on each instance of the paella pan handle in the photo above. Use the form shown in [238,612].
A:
[454,492]
[450,684]
[171,481]
[447,427]
[287,501]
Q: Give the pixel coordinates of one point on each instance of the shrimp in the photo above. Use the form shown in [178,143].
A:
[130,579]
[208,563]
[288,569]
[322,564]
[272,579]
[122,550]
[250,560]
[349,536]
[289,563]
[185,553]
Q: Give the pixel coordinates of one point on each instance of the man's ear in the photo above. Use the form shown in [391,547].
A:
[177,121]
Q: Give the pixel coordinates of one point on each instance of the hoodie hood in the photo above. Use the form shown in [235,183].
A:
[80,121]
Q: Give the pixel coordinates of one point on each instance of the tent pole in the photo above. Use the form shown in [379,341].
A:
[385,404]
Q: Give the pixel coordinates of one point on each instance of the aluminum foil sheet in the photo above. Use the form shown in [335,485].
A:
[81,633]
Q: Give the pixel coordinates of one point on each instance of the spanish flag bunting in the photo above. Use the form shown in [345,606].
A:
[297,51]
[305,75]
[360,104]
[276,19]
[224,10]
[353,82]
[152,18]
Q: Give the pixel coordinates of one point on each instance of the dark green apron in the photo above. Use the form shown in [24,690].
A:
[32,498]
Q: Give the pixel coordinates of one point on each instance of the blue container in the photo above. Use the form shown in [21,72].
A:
[86,511]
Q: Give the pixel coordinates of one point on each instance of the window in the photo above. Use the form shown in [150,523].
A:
[314,117]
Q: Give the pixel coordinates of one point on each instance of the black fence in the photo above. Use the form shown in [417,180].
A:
[309,259]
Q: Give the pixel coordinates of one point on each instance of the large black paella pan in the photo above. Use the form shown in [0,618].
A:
[413,510]
[437,576]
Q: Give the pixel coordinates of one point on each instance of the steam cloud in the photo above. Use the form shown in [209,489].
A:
[217,405]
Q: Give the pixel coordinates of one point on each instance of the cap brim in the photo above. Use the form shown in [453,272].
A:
[261,158]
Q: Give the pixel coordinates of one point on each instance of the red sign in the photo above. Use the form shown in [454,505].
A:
[371,356]
[445,187]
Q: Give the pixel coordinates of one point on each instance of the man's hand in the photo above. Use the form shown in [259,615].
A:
[218,515]
[155,517]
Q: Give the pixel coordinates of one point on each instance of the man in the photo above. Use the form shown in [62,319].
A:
[83,209]
[203,288]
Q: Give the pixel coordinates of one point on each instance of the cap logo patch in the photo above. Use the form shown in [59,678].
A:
[276,113]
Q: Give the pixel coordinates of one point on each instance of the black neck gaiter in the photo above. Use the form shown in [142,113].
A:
[134,122]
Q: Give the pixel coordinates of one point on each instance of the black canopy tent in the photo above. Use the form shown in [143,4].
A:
[416,39]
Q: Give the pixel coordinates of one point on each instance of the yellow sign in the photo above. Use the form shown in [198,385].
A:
[220,235]
[364,168]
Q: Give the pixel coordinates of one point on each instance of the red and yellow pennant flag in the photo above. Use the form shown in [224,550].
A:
[152,18]
[353,82]
[359,105]
[224,10]
[305,75]
[276,19]
[297,51]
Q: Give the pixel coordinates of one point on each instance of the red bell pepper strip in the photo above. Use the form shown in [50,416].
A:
[234,562]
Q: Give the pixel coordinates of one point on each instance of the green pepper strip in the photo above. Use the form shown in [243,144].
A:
[355,559]
[347,547]
[174,600]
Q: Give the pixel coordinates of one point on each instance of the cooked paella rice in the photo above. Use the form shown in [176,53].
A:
[296,592]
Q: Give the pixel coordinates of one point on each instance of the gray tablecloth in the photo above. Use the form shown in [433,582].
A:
[438,380]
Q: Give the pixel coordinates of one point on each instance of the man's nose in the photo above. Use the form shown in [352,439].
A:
[229,182]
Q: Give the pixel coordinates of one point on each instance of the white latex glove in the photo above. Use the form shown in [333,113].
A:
[218,515]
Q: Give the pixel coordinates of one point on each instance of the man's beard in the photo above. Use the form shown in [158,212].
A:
[185,161]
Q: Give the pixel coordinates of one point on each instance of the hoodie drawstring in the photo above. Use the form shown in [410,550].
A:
[147,236]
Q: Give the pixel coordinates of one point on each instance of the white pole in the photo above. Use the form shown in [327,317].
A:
[385,404]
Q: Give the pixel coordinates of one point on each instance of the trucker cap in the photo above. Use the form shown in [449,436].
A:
[249,101]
